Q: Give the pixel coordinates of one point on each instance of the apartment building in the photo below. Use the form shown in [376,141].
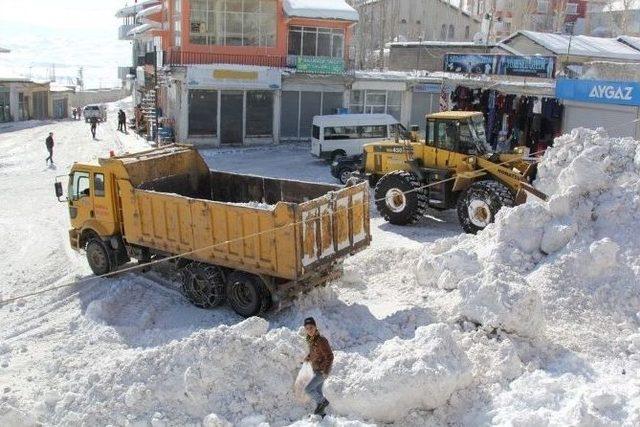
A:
[243,71]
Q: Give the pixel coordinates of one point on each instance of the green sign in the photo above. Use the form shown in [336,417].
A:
[320,65]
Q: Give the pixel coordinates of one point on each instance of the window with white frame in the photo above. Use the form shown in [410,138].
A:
[312,41]
[543,6]
[233,22]
[572,8]
[376,102]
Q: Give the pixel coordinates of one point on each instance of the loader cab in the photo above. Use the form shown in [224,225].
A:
[459,132]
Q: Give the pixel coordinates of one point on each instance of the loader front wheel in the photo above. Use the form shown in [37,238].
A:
[400,198]
[478,205]
[99,256]
[247,294]
[203,285]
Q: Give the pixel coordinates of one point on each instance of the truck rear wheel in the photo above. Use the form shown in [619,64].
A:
[478,205]
[247,294]
[203,285]
[400,198]
[99,256]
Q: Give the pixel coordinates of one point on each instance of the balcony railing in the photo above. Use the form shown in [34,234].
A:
[304,64]
[179,57]
[123,31]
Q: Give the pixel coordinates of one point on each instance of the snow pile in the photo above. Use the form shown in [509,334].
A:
[234,372]
[400,375]
[502,276]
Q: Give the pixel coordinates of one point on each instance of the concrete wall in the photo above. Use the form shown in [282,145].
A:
[99,96]
[428,58]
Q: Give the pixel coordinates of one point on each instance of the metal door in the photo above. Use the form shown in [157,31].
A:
[231,117]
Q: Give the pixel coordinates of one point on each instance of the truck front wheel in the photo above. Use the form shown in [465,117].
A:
[203,285]
[247,294]
[99,256]
[400,198]
[479,204]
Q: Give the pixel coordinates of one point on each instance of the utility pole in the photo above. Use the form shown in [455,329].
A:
[155,88]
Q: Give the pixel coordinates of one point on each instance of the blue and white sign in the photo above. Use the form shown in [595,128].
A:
[599,91]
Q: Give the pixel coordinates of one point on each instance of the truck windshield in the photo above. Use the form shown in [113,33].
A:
[476,125]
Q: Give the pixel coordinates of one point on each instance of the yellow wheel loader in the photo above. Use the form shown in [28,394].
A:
[453,168]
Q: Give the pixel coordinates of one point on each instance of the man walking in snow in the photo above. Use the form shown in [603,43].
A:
[321,358]
[49,144]
[94,125]
[122,120]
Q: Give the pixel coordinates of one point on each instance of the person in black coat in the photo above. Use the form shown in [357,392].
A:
[49,144]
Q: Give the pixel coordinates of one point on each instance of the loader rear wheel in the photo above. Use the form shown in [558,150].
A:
[247,294]
[99,256]
[400,198]
[203,285]
[479,204]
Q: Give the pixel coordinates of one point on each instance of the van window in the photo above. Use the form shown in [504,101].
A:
[355,132]
[316,132]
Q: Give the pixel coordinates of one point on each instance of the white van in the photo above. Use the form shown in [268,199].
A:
[345,134]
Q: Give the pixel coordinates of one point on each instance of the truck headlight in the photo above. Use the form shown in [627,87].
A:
[471,160]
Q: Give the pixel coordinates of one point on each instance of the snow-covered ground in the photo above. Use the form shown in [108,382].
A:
[532,322]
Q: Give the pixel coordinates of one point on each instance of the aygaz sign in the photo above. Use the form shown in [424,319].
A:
[599,91]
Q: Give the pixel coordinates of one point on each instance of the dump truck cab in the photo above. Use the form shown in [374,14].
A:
[453,167]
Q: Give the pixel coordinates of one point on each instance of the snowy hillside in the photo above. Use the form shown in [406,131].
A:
[535,321]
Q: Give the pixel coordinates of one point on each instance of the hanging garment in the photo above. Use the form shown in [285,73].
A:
[537,106]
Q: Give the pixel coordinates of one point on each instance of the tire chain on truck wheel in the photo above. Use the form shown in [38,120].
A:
[257,289]
[203,285]
[417,199]
[494,193]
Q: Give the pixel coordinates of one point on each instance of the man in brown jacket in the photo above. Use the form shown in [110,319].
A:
[321,358]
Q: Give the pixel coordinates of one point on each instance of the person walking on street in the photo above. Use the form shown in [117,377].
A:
[49,144]
[94,125]
[321,358]
[122,121]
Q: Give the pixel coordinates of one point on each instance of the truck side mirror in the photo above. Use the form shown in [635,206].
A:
[58,187]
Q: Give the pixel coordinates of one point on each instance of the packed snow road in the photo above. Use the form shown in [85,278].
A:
[532,322]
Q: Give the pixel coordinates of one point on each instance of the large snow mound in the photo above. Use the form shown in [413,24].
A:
[400,375]
[578,251]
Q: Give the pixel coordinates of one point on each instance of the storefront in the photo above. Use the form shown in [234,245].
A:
[5,105]
[225,105]
[613,105]
[306,96]
[517,113]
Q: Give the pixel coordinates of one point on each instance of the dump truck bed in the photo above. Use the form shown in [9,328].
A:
[277,228]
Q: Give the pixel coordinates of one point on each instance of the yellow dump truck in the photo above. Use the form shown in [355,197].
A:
[247,240]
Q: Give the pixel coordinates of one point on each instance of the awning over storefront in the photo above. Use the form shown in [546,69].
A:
[325,9]
[506,84]
[145,13]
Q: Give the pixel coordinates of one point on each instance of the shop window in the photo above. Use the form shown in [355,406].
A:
[376,102]
[203,112]
[233,22]
[98,185]
[259,113]
[543,6]
[572,8]
[312,41]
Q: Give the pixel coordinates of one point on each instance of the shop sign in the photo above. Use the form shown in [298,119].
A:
[508,65]
[222,76]
[599,91]
[469,63]
[427,88]
[320,65]
[526,66]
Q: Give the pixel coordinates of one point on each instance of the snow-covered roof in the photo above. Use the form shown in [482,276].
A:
[437,43]
[563,44]
[135,8]
[149,11]
[57,87]
[320,9]
[634,42]
[622,5]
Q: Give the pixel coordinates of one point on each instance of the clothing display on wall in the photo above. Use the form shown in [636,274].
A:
[513,120]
